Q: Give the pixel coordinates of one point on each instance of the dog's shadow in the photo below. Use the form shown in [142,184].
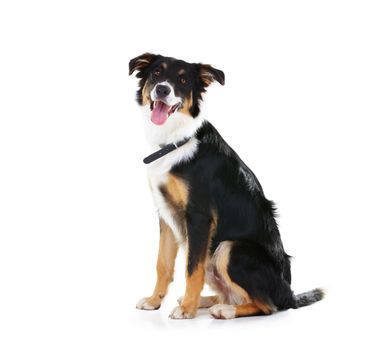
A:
[159,320]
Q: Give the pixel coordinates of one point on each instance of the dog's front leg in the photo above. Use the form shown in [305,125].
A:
[198,231]
[168,249]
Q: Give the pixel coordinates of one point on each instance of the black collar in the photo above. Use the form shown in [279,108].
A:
[165,149]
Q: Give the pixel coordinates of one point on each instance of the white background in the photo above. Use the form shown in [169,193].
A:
[79,233]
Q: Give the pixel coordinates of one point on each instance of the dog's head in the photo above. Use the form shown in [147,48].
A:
[169,86]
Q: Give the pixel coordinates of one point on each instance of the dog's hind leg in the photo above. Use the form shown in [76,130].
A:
[225,311]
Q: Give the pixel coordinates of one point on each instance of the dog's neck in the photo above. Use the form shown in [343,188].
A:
[177,128]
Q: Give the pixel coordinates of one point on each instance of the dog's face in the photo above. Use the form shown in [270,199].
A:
[168,86]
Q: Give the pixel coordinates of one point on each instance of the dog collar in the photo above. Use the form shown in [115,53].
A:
[164,150]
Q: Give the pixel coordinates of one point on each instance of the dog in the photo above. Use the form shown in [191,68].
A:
[208,201]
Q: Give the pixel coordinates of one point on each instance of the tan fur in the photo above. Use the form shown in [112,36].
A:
[206,302]
[176,193]
[141,62]
[266,309]
[177,190]
[181,71]
[146,94]
[254,308]
[168,249]
[206,76]
[207,79]
[195,282]
[194,286]
[187,105]
[247,310]
[213,226]
[220,261]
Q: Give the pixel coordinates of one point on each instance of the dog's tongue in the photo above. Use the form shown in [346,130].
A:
[159,114]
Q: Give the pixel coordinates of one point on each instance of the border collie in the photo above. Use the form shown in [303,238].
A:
[208,202]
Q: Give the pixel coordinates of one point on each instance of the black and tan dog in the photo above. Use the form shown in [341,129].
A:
[208,201]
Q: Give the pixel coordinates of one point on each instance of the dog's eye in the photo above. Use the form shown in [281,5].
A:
[182,80]
[157,72]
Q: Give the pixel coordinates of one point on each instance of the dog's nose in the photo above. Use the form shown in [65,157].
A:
[162,91]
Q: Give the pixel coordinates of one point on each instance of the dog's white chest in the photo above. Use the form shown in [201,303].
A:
[158,173]
[164,210]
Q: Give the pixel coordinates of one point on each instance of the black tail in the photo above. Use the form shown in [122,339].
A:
[308,298]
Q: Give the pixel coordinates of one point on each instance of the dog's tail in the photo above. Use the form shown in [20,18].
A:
[308,298]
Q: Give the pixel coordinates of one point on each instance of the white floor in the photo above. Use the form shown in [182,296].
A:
[333,322]
[85,299]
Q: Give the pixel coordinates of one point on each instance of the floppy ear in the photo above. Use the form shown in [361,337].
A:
[139,63]
[208,75]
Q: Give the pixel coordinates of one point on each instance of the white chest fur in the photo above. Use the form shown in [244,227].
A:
[176,128]
[158,175]
[164,211]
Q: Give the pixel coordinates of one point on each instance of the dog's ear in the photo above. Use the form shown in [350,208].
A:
[140,63]
[209,74]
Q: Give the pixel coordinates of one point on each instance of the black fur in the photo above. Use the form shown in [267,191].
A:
[224,189]
[196,76]
[258,261]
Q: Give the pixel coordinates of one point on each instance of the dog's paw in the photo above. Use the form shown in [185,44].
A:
[222,311]
[178,313]
[147,304]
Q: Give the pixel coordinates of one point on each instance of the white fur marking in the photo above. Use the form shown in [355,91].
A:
[178,314]
[144,305]
[163,209]
[171,99]
[176,128]
[222,311]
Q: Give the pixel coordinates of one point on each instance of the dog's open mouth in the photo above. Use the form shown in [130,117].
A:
[161,111]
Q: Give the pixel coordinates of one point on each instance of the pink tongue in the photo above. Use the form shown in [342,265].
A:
[159,114]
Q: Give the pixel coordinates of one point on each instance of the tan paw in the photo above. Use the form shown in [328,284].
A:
[179,313]
[147,304]
[222,311]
